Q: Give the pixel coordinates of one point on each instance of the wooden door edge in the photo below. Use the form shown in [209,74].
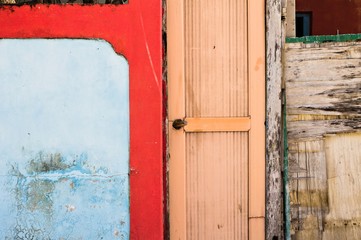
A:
[176,110]
[177,181]
[256,71]
[175,58]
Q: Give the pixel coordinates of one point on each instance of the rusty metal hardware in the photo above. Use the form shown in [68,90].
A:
[179,123]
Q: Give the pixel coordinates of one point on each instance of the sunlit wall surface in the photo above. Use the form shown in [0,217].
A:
[64,140]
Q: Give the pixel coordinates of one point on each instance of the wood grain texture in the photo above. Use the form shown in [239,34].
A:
[217,185]
[331,75]
[224,64]
[216,58]
[323,119]
[274,200]
[343,154]
[291,18]
[256,74]
[176,110]
[217,84]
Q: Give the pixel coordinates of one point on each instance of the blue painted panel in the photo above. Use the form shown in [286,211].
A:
[64,140]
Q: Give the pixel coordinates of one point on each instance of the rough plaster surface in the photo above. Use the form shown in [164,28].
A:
[64,142]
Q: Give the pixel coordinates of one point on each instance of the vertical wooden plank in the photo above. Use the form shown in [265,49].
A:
[177,180]
[256,68]
[343,157]
[175,44]
[176,100]
[274,217]
[216,58]
[291,18]
[216,76]
[217,185]
[217,85]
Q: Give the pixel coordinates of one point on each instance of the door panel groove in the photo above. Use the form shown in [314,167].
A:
[216,96]
[216,58]
[216,185]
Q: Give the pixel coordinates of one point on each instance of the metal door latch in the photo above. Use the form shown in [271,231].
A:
[179,123]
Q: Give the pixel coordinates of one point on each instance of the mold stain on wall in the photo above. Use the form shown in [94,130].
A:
[53,185]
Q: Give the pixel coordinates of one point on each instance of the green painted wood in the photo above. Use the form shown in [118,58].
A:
[287,203]
[325,38]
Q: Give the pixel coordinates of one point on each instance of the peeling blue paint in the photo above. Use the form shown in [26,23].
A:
[64,142]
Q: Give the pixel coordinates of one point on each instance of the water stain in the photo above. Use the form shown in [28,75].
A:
[39,196]
[35,186]
[46,163]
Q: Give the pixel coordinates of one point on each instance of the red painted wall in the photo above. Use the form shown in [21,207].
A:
[134,30]
[328,16]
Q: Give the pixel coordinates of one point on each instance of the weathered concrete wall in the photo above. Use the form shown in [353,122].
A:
[64,142]
[323,90]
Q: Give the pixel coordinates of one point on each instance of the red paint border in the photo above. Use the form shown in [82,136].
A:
[134,30]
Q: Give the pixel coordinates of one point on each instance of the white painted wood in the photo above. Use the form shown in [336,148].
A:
[274,200]
[291,18]
[323,123]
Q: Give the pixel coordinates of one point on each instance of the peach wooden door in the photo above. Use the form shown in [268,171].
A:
[216,119]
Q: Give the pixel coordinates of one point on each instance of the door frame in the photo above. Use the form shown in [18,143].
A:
[134,31]
[176,110]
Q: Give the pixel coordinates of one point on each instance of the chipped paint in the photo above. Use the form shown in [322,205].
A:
[324,138]
[64,140]
[311,198]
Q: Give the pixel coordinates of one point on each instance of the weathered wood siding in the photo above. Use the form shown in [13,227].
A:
[323,91]
[275,30]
